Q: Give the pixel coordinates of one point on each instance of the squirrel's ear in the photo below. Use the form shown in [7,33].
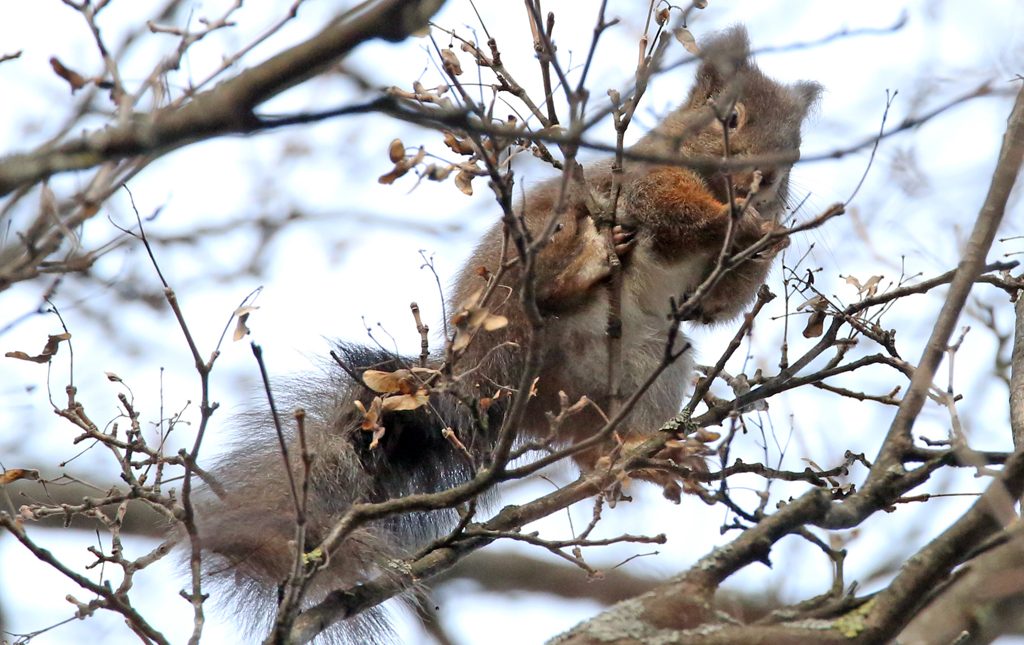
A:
[721,56]
[732,44]
[808,92]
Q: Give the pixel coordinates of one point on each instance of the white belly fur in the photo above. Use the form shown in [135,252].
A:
[647,287]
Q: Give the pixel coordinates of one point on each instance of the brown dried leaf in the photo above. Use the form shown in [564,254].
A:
[662,16]
[461,341]
[477,316]
[396,151]
[14,474]
[450,62]
[399,381]
[48,351]
[438,173]
[687,40]
[371,420]
[815,324]
[700,4]
[400,169]
[378,434]
[462,182]
[467,309]
[402,166]
[458,146]
[871,286]
[470,317]
[494,322]
[74,79]
[406,401]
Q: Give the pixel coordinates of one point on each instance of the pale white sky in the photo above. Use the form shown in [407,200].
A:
[313,290]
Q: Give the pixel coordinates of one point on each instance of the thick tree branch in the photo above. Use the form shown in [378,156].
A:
[228,107]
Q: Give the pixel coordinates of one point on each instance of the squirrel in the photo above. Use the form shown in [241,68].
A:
[673,223]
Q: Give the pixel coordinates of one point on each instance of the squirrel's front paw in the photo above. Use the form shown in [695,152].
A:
[623,240]
[687,453]
[743,208]
[769,227]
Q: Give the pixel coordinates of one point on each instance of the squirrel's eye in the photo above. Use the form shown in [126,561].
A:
[733,121]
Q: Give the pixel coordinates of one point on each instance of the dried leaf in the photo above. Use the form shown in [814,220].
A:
[700,4]
[494,322]
[462,182]
[242,316]
[114,378]
[400,169]
[438,173]
[871,286]
[470,317]
[402,166]
[687,40]
[662,16]
[371,416]
[406,401]
[74,79]
[396,151]
[816,303]
[14,474]
[399,381]
[815,325]
[476,317]
[458,146]
[868,289]
[48,351]
[461,341]
[378,434]
[371,420]
[467,305]
[450,62]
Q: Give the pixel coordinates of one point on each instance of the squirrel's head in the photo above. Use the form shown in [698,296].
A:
[735,111]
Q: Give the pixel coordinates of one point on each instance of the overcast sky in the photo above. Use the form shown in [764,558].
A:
[330,277]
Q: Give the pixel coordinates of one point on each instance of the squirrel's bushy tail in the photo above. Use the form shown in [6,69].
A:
[247,535]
